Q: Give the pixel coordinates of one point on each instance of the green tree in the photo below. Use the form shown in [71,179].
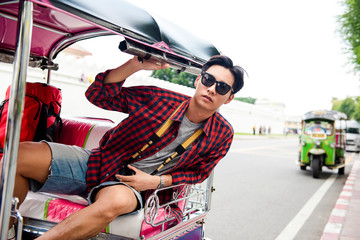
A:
[356,114]
[246,99]
[336,104]
[171,75]
[350,30]
[347,106]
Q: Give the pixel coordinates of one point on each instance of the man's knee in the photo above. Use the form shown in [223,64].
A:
[116,200]
[33,158]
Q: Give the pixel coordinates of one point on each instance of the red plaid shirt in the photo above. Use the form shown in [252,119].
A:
[148,108]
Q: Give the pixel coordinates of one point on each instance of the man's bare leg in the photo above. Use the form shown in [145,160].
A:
[110,202]
[34,160]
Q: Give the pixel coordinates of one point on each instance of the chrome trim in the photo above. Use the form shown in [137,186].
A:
[16,214]
[210,190]
[70,40]
[131,47]
[16,106]
[9,2]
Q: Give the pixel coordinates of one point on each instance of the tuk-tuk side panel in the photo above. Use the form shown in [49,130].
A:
[305,149]
[340,152]
[330,151]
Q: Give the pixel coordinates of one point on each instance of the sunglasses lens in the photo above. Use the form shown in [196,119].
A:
[222,88]
[207,80]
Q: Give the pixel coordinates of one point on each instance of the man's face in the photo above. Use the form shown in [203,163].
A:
[207,97]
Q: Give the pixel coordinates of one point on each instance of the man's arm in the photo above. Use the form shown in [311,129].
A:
[105,91]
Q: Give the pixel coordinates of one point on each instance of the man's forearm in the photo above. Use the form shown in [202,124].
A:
[122,72]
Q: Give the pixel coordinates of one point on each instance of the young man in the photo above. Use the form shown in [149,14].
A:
[53,167]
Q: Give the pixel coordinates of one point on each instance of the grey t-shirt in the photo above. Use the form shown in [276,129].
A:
[150,164]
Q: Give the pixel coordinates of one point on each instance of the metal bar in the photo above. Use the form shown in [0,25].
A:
[210,190]
[16,106]
[79,36]
[9,2]
[48,76]
[16,213]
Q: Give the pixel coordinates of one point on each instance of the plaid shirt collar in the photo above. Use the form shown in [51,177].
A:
[179,116]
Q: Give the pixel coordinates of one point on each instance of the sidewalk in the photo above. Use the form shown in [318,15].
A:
[344,221]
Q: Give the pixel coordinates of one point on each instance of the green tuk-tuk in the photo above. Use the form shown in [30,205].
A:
[322,142]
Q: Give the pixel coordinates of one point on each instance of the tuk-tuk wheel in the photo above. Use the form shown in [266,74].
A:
[341,171]
[316,167]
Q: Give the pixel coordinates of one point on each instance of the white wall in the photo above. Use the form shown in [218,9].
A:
[241,115]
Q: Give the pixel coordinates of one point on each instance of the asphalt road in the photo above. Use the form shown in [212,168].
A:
[262,194]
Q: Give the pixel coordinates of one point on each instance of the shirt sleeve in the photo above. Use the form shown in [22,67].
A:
[205,165]
[104,95]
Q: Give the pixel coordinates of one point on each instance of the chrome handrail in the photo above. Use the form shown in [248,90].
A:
[197,199]
[16,106]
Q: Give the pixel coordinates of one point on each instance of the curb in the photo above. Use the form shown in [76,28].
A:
[335,225]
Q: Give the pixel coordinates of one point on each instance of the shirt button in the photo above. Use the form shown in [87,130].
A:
[157,149]
[139,156]
[173,136]
[107,174]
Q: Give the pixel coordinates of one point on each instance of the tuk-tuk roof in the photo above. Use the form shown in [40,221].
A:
[330,115]
[59,23]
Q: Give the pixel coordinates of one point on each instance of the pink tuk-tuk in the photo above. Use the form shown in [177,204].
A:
[32,34]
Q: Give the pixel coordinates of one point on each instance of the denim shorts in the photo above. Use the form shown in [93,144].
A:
[68,174]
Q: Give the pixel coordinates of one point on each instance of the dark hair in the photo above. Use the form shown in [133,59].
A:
[226,62]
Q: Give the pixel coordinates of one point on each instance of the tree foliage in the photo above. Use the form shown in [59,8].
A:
[349,106]
[350,30]
[246,99]
[171,75]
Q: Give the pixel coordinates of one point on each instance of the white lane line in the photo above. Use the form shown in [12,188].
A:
[298,221]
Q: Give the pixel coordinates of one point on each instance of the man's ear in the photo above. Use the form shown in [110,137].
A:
[231,97]
[197,80]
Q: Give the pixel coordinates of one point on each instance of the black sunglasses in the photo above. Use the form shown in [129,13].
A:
[221,88]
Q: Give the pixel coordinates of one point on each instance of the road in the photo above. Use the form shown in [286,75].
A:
[262,194]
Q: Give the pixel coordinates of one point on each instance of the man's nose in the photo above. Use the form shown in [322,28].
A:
[212,89]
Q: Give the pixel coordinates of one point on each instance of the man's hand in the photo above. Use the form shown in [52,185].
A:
[141,181]
[149,64]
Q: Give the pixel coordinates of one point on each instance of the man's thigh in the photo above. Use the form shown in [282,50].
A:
[67,171]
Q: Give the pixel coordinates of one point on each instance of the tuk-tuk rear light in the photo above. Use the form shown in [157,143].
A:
[332,145]
[303,143]
[317,143]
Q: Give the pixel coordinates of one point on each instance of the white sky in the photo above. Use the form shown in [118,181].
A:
[290,49]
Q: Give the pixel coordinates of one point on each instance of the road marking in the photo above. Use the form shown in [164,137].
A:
[298,221]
